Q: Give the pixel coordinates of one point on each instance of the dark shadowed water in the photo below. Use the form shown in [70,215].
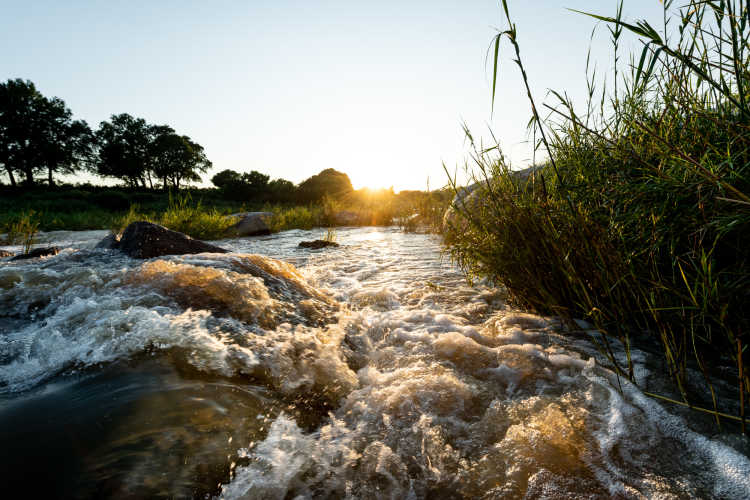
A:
[367,371]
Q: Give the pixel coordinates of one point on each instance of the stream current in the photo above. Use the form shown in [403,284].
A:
[372,370]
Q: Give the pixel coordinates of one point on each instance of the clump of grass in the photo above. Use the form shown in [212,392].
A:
[194,220]
[133,215]
[299,217]
[330,236]
[22,230]
[640,219]
[183,216]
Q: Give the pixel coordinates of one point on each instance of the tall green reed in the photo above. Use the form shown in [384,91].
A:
[640,219]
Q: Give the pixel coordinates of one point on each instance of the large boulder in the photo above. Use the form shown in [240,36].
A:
[37,252]
[251,224]
[144,240]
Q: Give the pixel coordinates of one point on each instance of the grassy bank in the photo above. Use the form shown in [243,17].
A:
[639,222]
[201,213]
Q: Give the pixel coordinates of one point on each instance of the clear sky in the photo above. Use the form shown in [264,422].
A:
[376,89]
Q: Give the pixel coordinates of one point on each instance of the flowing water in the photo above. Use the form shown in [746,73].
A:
[372,370]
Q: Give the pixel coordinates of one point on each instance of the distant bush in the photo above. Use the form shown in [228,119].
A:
[329,182]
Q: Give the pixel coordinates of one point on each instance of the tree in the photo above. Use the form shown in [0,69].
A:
[226,178]
[125,148]
[175,158]
[241,186]
[38,133]
[20,103]
[328,182]
[281,190]
[65,144]
[135,151]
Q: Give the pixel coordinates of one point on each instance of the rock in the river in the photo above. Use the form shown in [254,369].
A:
[5,253]
[143,240]
[110,241]
[37,252]
[318,244]
[251,224]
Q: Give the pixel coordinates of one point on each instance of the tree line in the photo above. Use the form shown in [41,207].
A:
[38,136]
[257,186]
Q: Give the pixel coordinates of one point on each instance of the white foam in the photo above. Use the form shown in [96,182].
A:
[437,388]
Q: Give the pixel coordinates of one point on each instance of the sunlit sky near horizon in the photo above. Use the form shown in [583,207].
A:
[375,89]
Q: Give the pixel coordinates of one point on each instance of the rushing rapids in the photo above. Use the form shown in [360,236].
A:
[372,370]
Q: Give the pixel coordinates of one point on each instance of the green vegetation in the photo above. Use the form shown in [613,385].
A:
[183,216]
[22,230]
[639,221]
[202,213]
[330,236]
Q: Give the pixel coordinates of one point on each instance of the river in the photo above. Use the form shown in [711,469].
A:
[372,370]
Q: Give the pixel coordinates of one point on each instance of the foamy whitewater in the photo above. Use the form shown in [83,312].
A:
[372,370]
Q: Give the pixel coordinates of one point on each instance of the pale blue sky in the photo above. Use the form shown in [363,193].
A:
[376,89]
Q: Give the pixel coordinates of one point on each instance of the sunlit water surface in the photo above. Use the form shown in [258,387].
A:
[372,370]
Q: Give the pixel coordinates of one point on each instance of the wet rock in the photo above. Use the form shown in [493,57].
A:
[143,240]
[37,252]
[317,244]
[5,253]
[251,224]
[109,242]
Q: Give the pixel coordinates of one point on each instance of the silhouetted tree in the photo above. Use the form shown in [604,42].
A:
[124,149]
[135,151]
[226,178]
[37,133]
[328,182]
[66,144]
[242,186]
[281,190]
[175,158]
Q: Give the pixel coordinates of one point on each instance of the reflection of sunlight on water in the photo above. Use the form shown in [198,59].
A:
[374,235]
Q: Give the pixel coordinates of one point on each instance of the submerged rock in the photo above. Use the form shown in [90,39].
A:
[144,240]
[37,252]
[5,253]
[251,224]
[318,244]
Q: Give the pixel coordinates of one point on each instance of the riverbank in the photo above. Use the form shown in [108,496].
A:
[201,213]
